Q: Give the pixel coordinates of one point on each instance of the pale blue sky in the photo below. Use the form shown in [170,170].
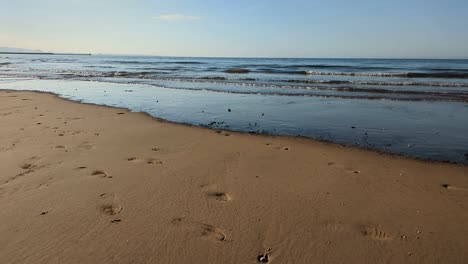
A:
[258,28]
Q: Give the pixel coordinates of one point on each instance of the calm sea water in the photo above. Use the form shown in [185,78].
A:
[411,107]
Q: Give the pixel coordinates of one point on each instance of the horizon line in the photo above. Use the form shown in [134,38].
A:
[228,57]
[279,57]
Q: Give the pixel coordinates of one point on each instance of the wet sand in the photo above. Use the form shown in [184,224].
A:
[91,184]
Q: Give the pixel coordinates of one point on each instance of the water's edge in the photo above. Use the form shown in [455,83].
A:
[262,134]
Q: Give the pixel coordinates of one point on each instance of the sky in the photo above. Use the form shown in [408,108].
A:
[240,28]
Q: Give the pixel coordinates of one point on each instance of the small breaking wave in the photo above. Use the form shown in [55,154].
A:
[421,79]
[445,75]
[331,66]
[277,90]
[380,83]
[288,67]
[161,74]
[380,95]
[186,62]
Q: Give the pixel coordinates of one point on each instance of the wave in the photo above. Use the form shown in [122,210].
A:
[237,70]
[124,62]
[368,94]
[212,78]
[380,83]
[386,96]
[370,68]
[185,62]
[104,74]
[403,92]
[445,70]
[315,66]
[39,60]
[100,66]
[327,84]
[281,90]
[306,81]
[460,94]
[152,62]
[257,82]
[155,73]
[456,75]
[445,75]
[460,74]
[64,61]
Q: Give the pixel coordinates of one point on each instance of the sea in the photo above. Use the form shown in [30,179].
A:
[410,107]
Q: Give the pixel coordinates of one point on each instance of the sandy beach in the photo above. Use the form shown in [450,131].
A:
[92,184]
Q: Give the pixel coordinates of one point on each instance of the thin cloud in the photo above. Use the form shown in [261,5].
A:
[176,17]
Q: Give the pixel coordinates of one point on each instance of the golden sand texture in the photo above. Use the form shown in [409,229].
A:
[92,184]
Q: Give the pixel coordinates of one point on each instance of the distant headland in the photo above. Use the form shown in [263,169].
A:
[43,53]
[4,50]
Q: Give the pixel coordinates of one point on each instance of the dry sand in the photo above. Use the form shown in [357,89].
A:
[92,184]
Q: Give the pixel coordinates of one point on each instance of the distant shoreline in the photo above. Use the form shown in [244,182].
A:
[44,53]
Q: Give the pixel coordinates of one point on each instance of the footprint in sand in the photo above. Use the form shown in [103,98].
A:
[347,169]
[351,170]
[74,118]
[147,161]
[27,166]
[109,204]
[85,146]
[212,232]
[216,195]
[375,233]
[101,174]
[220,196]
[263,258]
[110,209]
[133,159]
[30,164]
[206,231]
[277,147]
[153,162]
[223,133]
[452,187]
